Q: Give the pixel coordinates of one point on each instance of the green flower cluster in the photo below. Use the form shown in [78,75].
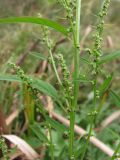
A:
[4,148]
[28,82]
[46,38]
[104,10]
[25,79]
[96,51]
[67,85]
[70,6]
[99,29]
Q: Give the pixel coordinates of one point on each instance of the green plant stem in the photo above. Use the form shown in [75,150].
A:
[51,143]
[92,118]
[115,153]
[88,138]
[71,138]
[96,51]
[76,39]
[95,89]
[54,67]
[53,62]
[77,52]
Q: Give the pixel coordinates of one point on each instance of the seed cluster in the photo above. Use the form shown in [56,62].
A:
[99,29]
[70,6]
[4,148]
[25,79]
[46,38]
[68,87]
[49,44]
[96,51]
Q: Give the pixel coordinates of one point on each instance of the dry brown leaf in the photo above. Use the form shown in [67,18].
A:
[12,116]
[30,153]
[49,106]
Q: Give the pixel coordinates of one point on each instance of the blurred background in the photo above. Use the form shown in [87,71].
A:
[18,40]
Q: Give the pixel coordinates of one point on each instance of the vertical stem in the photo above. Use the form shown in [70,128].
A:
[88,139]
[92,116]
[51,56]
[77,52]
[76,37]
[54,67]
[51,142]
[71,138]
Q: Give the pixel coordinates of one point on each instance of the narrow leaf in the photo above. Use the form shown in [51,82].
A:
[39,133]
[109,57]
[105,84]
[41,85]
[115,97]
[84,59]
[33,141]
[37,55]
[56,125]
[83,79]
[11,78]
[45,87]
[36,20]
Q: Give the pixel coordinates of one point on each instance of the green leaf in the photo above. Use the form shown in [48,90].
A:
[37,55]
[45,87]
[33,141]
[109,57]
[41,85]
[84,59]
[83,79]
[105,84]
[36,20]
[11,78]
[115,97]
[37,130]
[56,125]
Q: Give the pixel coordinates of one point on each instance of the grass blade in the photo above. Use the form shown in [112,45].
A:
[41,85]
[56,125]
[115,97]
[37,55]
[105,84]
[36,20]
[109,57]
[45,88]
[39,133]
[10,78]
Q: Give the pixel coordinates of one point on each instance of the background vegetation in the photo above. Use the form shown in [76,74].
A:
[24,45]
